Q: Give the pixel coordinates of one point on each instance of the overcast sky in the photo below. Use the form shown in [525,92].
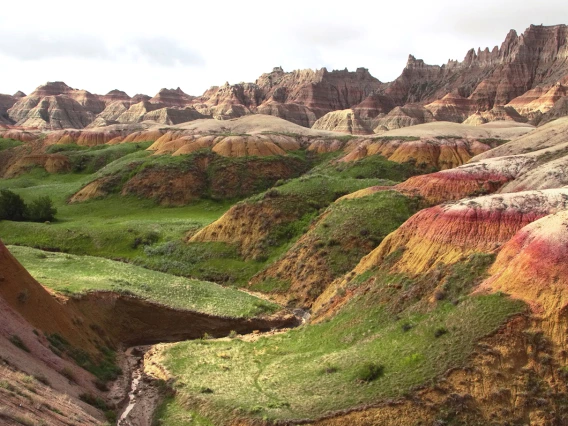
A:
[140,46]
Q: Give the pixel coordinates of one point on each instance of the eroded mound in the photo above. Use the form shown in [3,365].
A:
[447,233]
[52,163]
[345,232]
[496,130]
[532,266]
[540,165]
[181,179]
[345,121]
[176,143]
[468,180]
[437,153]
[547,136]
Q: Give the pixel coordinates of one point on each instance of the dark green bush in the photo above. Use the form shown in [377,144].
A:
[440,332]
[12,206]
[41,209]
[17,341]
[369,372]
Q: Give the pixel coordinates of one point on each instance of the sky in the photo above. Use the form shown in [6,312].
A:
[142,46]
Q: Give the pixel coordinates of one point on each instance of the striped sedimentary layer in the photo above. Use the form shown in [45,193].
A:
[179,143]
[532,265]
[447,233]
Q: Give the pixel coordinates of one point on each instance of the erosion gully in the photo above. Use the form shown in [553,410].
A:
[138,393]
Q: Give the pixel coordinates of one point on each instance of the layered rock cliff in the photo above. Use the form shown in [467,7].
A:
[489,78]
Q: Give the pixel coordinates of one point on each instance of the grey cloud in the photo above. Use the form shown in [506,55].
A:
[160,50]
[164,51]
[31,47]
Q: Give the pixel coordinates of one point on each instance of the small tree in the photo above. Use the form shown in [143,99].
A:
[12,206]
[41,209]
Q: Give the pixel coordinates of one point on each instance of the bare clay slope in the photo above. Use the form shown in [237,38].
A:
[532,161]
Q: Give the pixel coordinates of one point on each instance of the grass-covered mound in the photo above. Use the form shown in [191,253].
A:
[88,160]
[70,274]
[388,339]
[342,235]
[373,166]
[135,228]
[264,226]
[177,180]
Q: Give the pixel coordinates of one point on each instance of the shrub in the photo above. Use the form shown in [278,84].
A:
[17,341]
[41,209]
[68,374]
[440,332]
[12,206]
[369,372]
[329,369]
[93,400]
[42,379]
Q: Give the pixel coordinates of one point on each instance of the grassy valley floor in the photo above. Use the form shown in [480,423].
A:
[361,355]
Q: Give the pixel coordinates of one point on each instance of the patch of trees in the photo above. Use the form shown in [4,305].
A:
[13,207]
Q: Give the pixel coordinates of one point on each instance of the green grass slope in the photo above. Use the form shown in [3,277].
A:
[70,274]
[386,341]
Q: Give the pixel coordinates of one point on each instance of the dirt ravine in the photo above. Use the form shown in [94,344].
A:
[143,396]
[143,384]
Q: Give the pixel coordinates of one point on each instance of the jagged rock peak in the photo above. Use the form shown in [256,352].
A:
[538,42]
[19,94]
[172,97]
[412,62]
[116,95]
[170,91]
[51,88]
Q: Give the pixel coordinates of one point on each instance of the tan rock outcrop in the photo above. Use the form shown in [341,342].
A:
[344,121]
[408,115]
[52,163]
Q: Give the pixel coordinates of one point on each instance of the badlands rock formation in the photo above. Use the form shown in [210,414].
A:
[447,233]
[57,106]
[175,143]
[527,76]
[533,161]
[438,153]
[171,98]
[299,96]
[558,110]
[489,78]
[408,115]
[6,102]
[531,266]
[344,121]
